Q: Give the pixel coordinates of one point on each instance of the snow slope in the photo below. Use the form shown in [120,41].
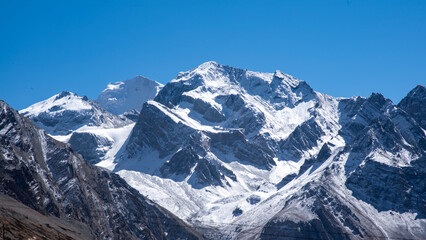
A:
[121,97]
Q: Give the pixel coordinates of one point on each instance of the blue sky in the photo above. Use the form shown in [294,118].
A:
[340,47]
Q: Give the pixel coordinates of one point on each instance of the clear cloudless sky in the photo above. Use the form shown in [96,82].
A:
[340,47]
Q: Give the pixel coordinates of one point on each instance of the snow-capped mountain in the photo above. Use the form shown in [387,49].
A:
[93,132]
[262,155]
[128,96]
[66,112]
[51,178]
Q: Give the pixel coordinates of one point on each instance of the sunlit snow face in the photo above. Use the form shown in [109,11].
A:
[121,97]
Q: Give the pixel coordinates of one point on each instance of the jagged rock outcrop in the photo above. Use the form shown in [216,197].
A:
[91,146]
[414,104]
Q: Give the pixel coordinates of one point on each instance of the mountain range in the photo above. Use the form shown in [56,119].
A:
[222,153]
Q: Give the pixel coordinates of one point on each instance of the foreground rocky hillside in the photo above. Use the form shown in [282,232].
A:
[22,222]
[49,177]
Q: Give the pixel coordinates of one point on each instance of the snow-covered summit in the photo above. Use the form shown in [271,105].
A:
[217,131]
[222,94]
[237,149]
[208,64]
[67,111]
[214,77]
[58,103]
[211,71]
[125,96]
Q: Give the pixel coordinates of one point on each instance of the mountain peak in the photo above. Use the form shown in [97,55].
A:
[418,91]
[279,74]
[121,97]
[377,96]
[203,69]
[66,110]
[62,101]
[414,104]
[4,107]
[64,94]
[138,79]
[209,64]
[221,80]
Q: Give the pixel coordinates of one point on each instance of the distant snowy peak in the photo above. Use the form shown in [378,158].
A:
[228,97]
[121,97]
[58,103]
[67,111]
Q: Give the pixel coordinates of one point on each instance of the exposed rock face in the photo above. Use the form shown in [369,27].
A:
[414,104]
[51,178]
[303,138]
[328,217]
[91,146]
[389,188]
[181,163]
[386,161]
[383,162]
[132,115]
